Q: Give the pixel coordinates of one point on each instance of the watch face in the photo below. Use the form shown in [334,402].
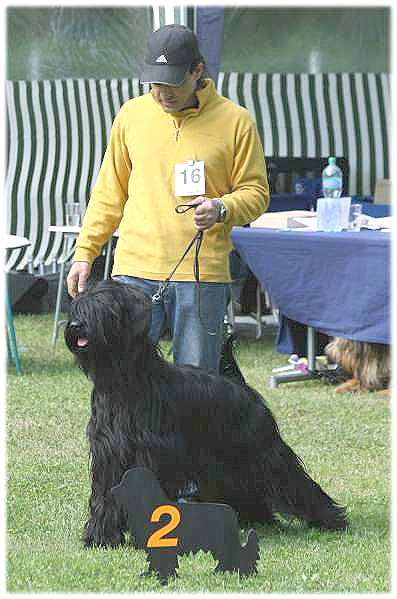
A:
[221,212]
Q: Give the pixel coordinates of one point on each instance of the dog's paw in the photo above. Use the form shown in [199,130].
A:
[350,386]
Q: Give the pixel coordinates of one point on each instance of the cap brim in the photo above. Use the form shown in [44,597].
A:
[164,74]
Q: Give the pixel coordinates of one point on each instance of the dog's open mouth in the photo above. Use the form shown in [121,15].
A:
[76,337]
[82,342]
[79,344]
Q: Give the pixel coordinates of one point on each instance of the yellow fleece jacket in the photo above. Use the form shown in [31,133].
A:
[134,191]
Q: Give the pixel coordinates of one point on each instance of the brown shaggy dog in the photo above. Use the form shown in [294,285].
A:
[367,363]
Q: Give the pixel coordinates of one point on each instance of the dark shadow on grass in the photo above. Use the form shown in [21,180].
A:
[294,529]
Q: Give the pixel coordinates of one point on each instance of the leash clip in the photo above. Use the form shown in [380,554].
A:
[157,297]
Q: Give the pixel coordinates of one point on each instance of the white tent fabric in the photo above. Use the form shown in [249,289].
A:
[167,15]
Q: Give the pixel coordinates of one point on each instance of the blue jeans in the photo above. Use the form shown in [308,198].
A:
[196,339]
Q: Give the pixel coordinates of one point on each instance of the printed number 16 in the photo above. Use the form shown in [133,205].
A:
[194,176]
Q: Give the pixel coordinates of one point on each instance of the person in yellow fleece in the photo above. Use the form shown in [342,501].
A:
[182,143]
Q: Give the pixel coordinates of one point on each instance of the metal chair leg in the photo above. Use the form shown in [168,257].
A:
[294,375]
[58,305]
[258,312]
[66,255]
[12,336]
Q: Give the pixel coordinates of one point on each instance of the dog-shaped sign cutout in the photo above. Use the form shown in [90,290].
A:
[166,529]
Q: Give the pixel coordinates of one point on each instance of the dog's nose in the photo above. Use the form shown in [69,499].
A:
[73,329]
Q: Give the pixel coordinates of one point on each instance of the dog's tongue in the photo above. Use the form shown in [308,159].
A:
[82,341]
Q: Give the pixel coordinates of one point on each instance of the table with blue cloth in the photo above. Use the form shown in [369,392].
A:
[336,283]
[279,202]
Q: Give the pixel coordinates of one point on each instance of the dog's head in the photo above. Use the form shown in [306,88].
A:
[367,362]
[106,325]
[342,352]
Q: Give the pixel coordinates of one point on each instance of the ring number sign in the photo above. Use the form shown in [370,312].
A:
[157,539]
[190,178]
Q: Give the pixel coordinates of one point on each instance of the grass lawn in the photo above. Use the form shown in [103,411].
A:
[343,440]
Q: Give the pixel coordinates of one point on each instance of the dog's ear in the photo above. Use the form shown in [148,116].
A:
[142,312]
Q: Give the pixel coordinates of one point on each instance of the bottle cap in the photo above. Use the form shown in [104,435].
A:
[332,160]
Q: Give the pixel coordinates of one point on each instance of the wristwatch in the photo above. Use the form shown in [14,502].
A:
[222,211]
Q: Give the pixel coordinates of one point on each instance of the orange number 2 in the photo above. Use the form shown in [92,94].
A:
[156,539]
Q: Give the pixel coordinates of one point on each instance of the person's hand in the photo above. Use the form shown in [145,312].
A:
[77,277]
[206,213]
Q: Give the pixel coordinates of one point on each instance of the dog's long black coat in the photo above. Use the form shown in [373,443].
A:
[194,429]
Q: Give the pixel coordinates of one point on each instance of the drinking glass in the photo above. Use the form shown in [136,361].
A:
[73,214]
[355,213]
[344,207]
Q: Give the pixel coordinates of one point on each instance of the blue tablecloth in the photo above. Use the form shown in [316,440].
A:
[339,283]
[375,210]
[279,202]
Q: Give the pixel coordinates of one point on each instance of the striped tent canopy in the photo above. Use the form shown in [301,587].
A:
[320,115]
[58,131]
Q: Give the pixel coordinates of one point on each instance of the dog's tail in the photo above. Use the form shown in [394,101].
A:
[299,495]
[249,554]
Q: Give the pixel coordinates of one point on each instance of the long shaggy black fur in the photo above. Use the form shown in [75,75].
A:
[194,429]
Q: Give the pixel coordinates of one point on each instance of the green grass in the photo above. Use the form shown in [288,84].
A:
[343,440]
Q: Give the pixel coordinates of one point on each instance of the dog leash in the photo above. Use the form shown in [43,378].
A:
[197,239]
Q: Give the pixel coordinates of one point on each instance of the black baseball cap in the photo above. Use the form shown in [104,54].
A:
[170,51]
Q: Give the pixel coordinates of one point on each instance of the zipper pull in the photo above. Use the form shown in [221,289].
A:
[176,130]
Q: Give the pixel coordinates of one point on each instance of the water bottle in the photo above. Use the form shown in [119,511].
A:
[328,208]
[332,179]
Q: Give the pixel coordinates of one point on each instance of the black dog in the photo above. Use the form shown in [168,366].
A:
[194,527]
[194,429]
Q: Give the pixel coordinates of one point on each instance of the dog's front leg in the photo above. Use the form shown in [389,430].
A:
[106,524]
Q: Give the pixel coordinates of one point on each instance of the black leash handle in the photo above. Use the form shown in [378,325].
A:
[182,208]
